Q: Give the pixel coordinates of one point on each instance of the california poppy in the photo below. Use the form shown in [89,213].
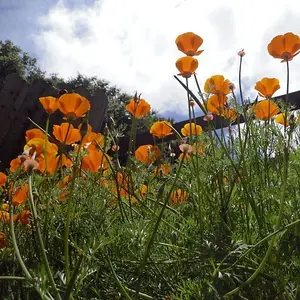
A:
[147,154]
[187,65]
[3,240]
[66,133]
[199,148]
[161,129]
[38,145]
[20,195]
[215,104]
[185,156]
[139,108]
[49,103]
[162,169]
[280,119]
[34,133]
[285,46]
[24,217]
[217,85]
[265,109]
[179,196]
[189,43]
[73,105]
[143,190]
[229,114]
[15,164]
[267,87]
[3,179]
[191,129]
[93,160]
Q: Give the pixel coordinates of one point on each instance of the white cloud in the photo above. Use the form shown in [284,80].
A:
[131,43]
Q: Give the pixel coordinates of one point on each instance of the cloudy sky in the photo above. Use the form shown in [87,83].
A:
[131,42]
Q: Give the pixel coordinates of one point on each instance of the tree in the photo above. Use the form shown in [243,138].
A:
[14,60]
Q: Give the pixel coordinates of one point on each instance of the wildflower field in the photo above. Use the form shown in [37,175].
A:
[215,215]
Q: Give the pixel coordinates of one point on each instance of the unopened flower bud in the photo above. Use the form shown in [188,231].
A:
[208,117]
[231,86]
[241,53]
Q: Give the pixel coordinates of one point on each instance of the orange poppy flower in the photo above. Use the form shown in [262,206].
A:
[230,114]
[122,179]
[187,65]
[189,43]
[199,149]
[265,109]
[3,179]
[20,195]
[49,103]
[3,240]
[285,46]
[54,162]
[139,108]
[24,217]
[179,196]
[267,87]
[15,164]
[161,129]
[162,169]
[91,140]
[188,130]
[34,133]
[5,217]
[143,190]
[280,119]
[186,157]
[147,154]
[73,105]
[64,182]
[215,104]
[66,133]
[217,85]
[37,145]
[93,160]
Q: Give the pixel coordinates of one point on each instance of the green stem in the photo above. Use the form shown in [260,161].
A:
[40,240]
[282,199]
[16,248]
[68,217]
[73,278]
[120,285]
[46,144]
[155,229]
[12,278]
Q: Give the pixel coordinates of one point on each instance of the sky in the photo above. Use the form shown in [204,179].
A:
[131,43]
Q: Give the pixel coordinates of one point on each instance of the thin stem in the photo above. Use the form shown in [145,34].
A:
[16,248]
[282,199]
[73,278]
[40,239]
[240,82]
[68,217]
[155,229]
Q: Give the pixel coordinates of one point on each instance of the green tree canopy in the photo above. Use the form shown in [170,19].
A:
[14,60]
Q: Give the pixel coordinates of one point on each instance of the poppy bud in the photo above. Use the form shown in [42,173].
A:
[241,53]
